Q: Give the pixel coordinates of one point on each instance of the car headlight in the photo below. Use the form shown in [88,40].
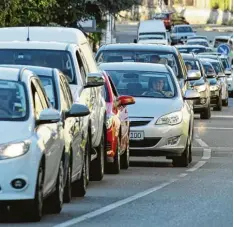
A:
[214,88]
[201,88]
[170,119]
[12,150]
[109,122]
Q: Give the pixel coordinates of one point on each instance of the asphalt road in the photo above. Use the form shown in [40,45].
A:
[153,193]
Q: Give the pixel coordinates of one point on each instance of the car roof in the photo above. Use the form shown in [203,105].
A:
[7,73]
[138,47]
[45,71]
[208,60]
[197,40]
[189,56]
[222,37]
[209,56]
[34,45]
[139,66]
[190,46]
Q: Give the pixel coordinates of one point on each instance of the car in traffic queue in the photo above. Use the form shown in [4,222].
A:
[201,42]
[32,146]
[146,53]
[187,49]
[202,86]
[223,39]
[117,125]
[180,33]
[215,86]
[161,124]
[197,37]
[68,50]
[77,144]
[218,67]
[166,17]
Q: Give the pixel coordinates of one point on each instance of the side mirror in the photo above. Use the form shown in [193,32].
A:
[228,72]
[193,75]
[191,95]
[125,100]
[135,41]
[77,110]
[94,80]
[48,116]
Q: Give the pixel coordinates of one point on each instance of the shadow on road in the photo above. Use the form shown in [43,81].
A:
[151,164]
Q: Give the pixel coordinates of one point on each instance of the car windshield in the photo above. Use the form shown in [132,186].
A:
[13,101]
[225,63]
[188,50]
[192,64]
[202,43]
[184,29]
[161,35]
[217,67]
[208,68]
[148,84]
[197,82]
[141,56]
[49,87]
[219,41]
[212,81]
[45,58]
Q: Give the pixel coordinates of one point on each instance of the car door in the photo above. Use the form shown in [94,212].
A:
[47,135]
[72,128]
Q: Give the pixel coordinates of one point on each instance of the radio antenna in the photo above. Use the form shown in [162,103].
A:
[28,38]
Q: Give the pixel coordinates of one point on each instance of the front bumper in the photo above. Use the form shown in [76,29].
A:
[156,140]
[24,167]
[200,105]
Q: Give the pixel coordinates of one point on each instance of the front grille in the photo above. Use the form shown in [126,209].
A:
[147,142]
[138,123]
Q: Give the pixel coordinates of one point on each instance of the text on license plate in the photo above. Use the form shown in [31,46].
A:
[136,135]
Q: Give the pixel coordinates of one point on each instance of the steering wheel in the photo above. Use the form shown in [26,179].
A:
[153,93]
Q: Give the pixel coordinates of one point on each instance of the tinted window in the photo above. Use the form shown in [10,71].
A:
[106,93]
[217,67]
[184,29]
[225,63]
[192,64]
[46,58]
[208,68]
[144,83]
[152,35]
[13,101]
[219,41]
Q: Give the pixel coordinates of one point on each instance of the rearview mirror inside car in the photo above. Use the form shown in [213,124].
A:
[77,110]
[94,80]
[193,75]
[191,95]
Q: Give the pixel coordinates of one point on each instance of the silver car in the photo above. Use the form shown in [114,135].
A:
[180,33]
[161,121]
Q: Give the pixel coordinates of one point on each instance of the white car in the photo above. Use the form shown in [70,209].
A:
[201,42]
[31,146]
[161,122]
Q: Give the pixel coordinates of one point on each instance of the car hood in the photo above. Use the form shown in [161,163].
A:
[14,131]
[154,107]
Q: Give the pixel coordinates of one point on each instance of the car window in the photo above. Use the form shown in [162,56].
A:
[49,87]
[64,100]
[184,29]
[46,58]
[41,93]
[68,90]
[192,64]
[225,63]
[13,101]
[106,93]
[219,41]
[217,67]
[144,83]
[81,66]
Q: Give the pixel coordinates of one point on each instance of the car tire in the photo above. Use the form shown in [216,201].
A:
[206,114]
[190,153]
[88,149]
[97,165]
[225,102]
[183,160]
[34,209]
[3,213]
[219,104]
[55,201]
[80,186]
[114,167]
[68,187]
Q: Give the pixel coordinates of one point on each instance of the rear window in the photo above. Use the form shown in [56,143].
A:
[184,29]
[219,41]
[153,34]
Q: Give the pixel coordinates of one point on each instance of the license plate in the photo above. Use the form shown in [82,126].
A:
[136,135]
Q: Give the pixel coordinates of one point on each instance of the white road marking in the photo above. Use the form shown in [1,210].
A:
[206,153]
[197,166]
[202,143]
[183,175]
[222,116]
[214,128]
[115,205]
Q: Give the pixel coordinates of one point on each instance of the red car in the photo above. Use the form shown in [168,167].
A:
[117,125]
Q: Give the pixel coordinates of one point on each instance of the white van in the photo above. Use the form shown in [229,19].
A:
[153,32]
[68,50]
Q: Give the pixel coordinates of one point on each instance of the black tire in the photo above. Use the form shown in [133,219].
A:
[206,114]
[114,167]
[3,213]
[88,153]
[125,159]
[80,185]
[34,209]
[190,153]
[219,104]
[55,202]
[97,165]
[225,102]
[183,160]
[68,187]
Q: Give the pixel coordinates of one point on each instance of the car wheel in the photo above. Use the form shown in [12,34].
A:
[35,207]
[97,165]
[206,114]
[88,153]
[114,167]
[80,185]
[3,213]
[68,187]
[55,202]
[190,153]
[219,104]
[225,102]
[183,160]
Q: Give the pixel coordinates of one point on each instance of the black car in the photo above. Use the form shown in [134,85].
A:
[148,53]
[215,86]
[202,86]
